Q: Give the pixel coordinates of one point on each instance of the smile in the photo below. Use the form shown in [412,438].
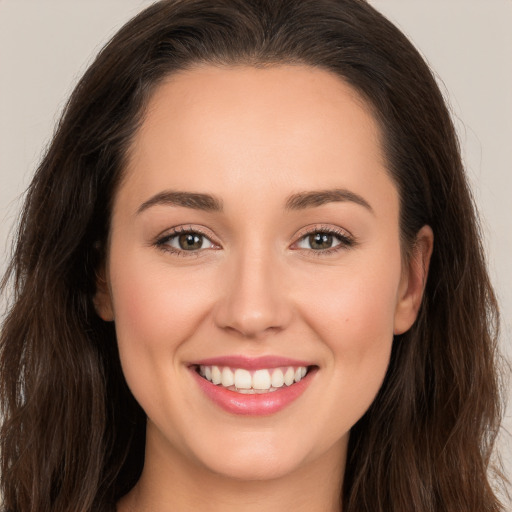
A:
[253,386]
[241,380]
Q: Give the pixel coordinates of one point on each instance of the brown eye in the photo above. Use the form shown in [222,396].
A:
[190,241]
[319,241]
[323,241]
[187,241]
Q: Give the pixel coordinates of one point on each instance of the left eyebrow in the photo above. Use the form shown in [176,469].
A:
[312,199]
[194,200]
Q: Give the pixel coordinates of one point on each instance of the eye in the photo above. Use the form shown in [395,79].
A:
[185,241]
[190,242]
[318,241]
[324,241]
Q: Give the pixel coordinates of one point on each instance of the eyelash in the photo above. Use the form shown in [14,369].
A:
[345,240]
[163,242]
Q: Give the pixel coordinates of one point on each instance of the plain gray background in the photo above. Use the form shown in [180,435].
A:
[45,45]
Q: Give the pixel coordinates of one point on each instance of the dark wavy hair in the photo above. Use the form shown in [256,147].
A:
[72,437]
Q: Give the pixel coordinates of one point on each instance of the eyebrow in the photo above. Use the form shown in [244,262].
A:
[210,203]
[303,200]
[197,201]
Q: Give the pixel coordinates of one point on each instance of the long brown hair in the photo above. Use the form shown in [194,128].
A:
[72,437]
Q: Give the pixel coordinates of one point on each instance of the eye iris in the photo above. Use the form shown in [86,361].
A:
[190,241]
[320,241]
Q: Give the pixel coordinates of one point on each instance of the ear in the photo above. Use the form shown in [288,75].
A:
[412,283]
[102,297]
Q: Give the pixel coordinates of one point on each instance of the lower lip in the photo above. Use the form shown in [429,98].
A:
[261,404]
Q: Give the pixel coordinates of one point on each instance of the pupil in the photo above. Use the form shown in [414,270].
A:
[320,241]
[190,241]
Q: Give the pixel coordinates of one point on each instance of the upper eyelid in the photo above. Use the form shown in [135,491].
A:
[322,228]
[181,229]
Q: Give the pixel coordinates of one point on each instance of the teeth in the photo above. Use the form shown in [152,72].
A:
[261,379]
[216,375]
[244,381]
[278,378]
[228,378]
[289,376]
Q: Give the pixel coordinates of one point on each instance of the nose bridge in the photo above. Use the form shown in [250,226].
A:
[253,299]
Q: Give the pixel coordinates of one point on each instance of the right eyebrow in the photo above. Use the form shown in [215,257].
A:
[194,200]
[314,198]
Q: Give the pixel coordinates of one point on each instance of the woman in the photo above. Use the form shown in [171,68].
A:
[252,214]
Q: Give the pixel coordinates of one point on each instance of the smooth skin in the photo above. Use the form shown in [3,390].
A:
[284,154]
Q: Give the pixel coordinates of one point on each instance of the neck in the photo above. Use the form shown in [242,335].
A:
[173,482]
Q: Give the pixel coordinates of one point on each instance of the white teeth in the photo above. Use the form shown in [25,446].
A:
[289,376]
[243,379]
[259,381]
[216,375]
[278,378]
[228,378]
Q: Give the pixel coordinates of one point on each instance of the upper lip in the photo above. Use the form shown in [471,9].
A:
[251,363]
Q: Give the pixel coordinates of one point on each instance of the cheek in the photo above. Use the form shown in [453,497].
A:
[156,310]
[354,308]
[152,302]
[353,314]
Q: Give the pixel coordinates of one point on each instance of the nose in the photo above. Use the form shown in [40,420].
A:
[253,300]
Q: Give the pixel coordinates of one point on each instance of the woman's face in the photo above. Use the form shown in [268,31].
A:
[256,230]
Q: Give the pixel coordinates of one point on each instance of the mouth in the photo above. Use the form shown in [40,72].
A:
[251,382]
[256,387]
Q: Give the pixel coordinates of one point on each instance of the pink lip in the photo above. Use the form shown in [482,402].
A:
[251,363]
[262,404]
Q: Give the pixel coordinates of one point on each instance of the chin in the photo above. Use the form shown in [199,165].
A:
[253,461]
[257,468]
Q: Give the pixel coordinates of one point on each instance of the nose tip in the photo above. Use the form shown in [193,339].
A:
[253,326]
[253,303]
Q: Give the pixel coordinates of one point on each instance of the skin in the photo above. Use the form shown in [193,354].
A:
[252,138]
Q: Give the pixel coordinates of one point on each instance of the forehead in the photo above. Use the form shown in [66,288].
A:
[218,127]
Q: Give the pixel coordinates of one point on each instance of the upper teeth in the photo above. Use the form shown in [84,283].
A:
[245,381]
